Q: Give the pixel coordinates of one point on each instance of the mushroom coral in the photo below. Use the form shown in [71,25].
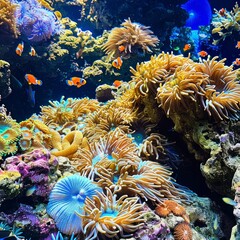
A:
[133,36]
[67,199]
[7,17]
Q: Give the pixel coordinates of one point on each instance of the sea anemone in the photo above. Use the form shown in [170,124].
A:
[133,36]
[67,199]
[58,112]
[221,94]
[36,23]
[180,89]
[183,231]
[109,216]
[148,75]
[112,152]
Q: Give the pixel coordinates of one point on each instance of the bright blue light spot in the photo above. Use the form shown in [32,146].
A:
[3,128]
[200,13]
[110,213]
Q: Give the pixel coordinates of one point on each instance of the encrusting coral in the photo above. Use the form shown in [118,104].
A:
[133,37]
[7,17]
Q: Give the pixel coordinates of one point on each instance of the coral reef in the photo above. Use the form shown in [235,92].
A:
[7,17]
[35,169]
[9,133]
[5,75]
[225,25]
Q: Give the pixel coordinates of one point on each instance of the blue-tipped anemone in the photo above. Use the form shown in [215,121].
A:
[200,13]
[67,198]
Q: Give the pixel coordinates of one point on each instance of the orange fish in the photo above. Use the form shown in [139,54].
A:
[237,62]
[222,12]
[117,63]
[32,52]
[19,49]
[31,79]
[76,81]
[121,48]
[203,54]
[117,83]
[187,47]
[238,45]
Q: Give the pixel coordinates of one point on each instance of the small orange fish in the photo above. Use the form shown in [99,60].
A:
[237,62]
[117,63]
[19,49]
[31,79]
[32,52]
[203,54]
[238,45]
[222,12]
[187,47]
[121,48]
[117,83]
[76,81]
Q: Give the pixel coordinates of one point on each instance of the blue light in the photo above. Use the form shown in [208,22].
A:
[200,13]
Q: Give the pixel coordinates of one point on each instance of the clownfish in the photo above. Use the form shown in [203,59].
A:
[117,83]
[19,49]
[31,79]
[237,62]
[117,63]
[238,45]
[76,81]
[222,12]
[32,52]
[187,47]
[121,48]
[203,54]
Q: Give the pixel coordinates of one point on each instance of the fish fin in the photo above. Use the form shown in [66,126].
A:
[69,82]
[39,82]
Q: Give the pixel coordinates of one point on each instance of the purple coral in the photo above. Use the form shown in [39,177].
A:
[36,23]
[34,168]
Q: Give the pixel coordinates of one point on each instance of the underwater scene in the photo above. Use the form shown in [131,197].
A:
[119,120]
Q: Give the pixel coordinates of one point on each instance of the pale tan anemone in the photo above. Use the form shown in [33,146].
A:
[148,75]
[181,89]
[110,216]
[151,181]
[113,152]
[221,94]
[69,110]
[107,119]
[132,36]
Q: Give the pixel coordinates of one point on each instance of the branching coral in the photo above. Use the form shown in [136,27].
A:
[107,215]
[133,36]
[225,25]
[7,18]
[67,199]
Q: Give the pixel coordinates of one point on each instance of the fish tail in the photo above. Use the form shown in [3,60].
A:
[39,82]
[69,82]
